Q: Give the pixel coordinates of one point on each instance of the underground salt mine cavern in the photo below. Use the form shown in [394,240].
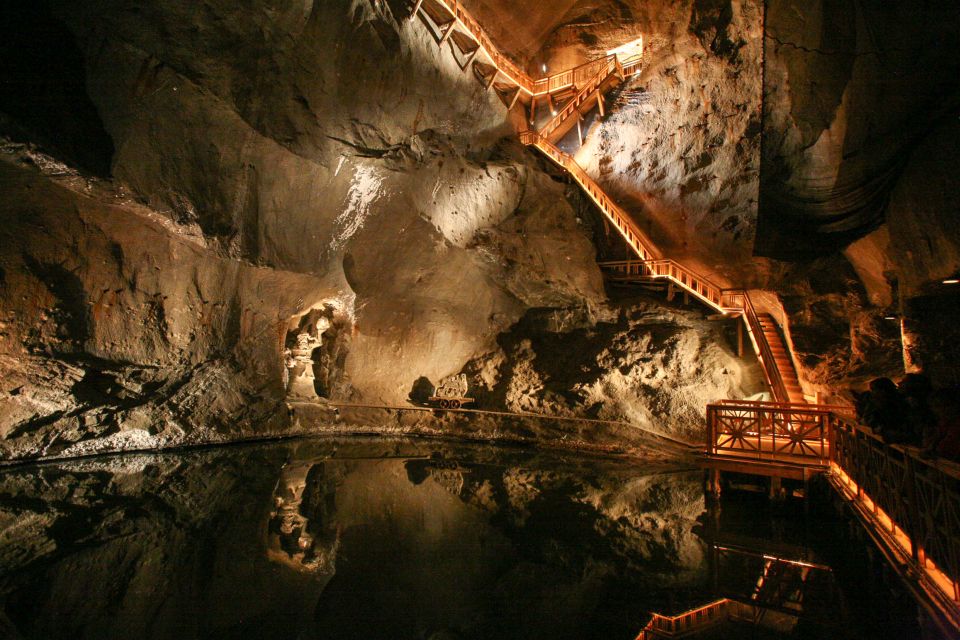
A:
[479,319]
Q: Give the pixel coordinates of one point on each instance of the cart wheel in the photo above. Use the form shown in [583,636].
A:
[444,404]
[454,404]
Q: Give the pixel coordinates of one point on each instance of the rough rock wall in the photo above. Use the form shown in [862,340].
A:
[680,146]
[334,146]
[296,159]
[118,331]
[855,105]
[861,102]
[309,197]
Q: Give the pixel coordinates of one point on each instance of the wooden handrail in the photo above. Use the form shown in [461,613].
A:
[781,434]
[914,502]
[562,80]
[601,74]
[838,409]
[761,346]
[700,286]
[588,78]
[637,239]
[674,626]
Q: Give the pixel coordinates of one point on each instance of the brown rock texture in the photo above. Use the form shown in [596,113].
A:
[208,207]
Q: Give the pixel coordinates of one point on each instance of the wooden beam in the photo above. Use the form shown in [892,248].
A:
[470,57]
[600,102]
[579,131]
[533,110]
[416,9]
[739,339]
[493,76]
[516,95]
[448,32]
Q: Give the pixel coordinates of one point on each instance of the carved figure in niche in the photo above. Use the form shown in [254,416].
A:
[299,360]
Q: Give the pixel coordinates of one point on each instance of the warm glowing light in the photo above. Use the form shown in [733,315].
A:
[952,281]
[628,50]
[890,318]
[943,582]
[544,67]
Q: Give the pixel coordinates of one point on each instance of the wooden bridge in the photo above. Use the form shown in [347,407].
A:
[579,90]
[909,505]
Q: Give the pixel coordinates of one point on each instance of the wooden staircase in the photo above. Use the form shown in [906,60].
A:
[582,88]
[781,357]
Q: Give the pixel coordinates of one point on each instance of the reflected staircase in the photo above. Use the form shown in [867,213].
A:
[577,91]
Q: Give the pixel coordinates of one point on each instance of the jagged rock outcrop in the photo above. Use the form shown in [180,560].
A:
[260,169]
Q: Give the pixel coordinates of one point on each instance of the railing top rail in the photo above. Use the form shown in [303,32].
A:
[693,275]
[836,408]
[774,407]
[599,73]
[534,87]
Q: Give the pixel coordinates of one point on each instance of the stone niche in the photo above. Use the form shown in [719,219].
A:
[315,351]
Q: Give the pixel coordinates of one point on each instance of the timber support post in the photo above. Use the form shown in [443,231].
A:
[416,9]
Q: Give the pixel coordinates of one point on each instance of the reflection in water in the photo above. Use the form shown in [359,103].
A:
[381,539]
[294,539]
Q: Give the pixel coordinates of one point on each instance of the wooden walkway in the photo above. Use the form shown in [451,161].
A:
[910,506]
[581,89]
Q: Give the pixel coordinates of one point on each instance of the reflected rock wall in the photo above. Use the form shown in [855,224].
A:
[373,539]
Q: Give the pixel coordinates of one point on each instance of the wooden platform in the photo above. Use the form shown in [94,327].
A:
[791,470]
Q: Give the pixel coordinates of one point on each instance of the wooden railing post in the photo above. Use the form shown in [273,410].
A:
[913,526]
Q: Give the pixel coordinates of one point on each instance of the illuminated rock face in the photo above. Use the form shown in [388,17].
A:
[328,158]
[313,158]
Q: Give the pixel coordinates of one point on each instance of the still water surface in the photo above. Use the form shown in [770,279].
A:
[373,538]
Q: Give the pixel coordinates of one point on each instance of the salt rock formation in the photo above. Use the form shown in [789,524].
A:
[270,169]
[855,106]
[652,365]
[260,169]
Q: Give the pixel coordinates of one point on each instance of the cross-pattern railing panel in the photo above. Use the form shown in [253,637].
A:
[769,433]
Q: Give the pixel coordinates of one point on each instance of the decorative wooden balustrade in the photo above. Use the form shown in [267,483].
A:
[770,432]
[917,501]
[911,504]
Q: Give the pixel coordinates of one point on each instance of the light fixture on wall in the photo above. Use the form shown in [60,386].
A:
[952,281]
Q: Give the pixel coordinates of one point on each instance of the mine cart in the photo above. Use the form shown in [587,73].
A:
[452,392]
